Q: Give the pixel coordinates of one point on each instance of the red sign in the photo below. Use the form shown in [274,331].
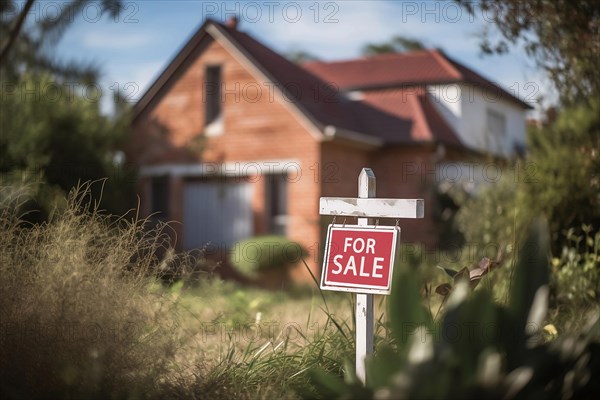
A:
[359,259]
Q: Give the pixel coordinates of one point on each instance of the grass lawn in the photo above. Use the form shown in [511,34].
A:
[87,317]
[252,343]
[83,315]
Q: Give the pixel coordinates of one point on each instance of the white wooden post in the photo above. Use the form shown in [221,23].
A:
[364,302]
[365,208]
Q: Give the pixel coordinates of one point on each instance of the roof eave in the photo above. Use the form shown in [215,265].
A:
[315,127]
[336,133]
[172,66]
[399,85]
[214,30]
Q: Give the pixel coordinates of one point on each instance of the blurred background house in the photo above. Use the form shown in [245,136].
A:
[234,140]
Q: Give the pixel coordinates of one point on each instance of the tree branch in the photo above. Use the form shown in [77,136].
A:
[14,33]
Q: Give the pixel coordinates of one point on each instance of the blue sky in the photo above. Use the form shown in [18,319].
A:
[133,48]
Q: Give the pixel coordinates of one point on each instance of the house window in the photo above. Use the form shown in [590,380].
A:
[276,204]
[496,124]
[213,100]
[160,197]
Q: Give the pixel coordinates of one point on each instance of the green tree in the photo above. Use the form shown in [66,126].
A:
[27,43]
[563,174]
[53,139]
[560,177]
[52,135]
[563,37]
[398,44]
[300,56]
[562,170]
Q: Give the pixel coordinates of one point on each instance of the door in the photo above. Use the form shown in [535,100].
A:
[276,203]
[217,213]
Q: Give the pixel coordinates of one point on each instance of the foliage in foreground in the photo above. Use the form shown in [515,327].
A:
[560,179]
[84,315]
[77,319]
[54,138]
[576,271]
[479,349]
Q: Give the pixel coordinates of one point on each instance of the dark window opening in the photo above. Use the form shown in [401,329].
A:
[212,97]
[496,123]
[160,197]
[276,204]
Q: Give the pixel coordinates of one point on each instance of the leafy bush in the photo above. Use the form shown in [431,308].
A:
[565,171]
[265,253]
[478,349]
[53,138]
[576,273]
[559,178]
[492,217]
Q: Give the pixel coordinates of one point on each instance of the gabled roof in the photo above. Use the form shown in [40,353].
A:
[424,67]
[323,105]
[321,102]
[382,116]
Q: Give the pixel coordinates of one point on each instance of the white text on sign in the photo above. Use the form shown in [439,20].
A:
[359,258]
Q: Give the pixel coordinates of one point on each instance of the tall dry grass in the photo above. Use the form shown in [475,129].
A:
[77,319]
[85,315]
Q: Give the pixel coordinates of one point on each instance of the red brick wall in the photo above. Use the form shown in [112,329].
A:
[257,126]
[408,172]
[340,166]
[401,172]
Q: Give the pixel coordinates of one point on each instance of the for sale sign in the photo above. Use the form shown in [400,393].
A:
[359,258]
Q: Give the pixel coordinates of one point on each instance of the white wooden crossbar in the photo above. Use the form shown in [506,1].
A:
[367,207]
[372,208]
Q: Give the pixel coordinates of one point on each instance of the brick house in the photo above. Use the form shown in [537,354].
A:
[233,140]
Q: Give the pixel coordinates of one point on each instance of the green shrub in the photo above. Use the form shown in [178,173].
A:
[478,348]
[576,273]
[564,183]
[265,253]
[560,178]
[493,216]
[52,145]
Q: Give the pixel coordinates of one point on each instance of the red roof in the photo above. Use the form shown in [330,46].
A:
[424,67]
[324,103]
[404,115]
[385,70]
[396,116]
[400,111]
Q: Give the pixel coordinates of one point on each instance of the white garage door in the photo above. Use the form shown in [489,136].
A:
[216,213]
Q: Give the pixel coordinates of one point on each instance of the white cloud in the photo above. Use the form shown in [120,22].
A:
[134,53]
[130,79]
[110,40]
[361,22]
